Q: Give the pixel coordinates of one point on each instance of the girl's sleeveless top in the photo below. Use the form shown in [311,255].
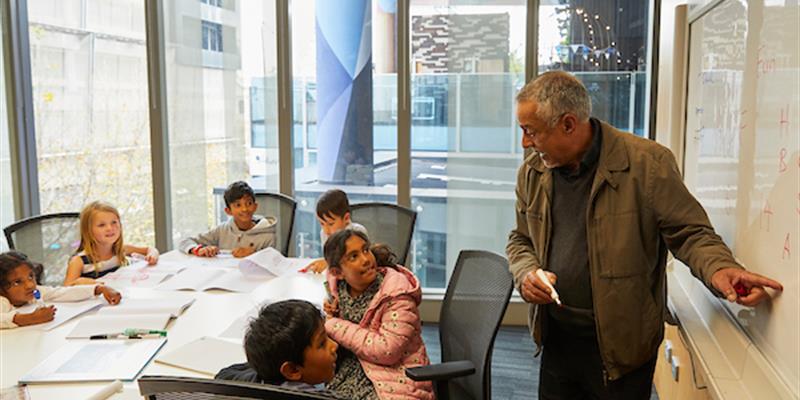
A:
[103,267]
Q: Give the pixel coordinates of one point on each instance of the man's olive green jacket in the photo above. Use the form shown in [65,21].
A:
[638,209]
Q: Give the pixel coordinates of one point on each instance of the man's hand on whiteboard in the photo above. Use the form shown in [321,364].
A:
[750,286]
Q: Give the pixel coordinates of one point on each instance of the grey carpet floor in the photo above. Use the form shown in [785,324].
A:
[515,371]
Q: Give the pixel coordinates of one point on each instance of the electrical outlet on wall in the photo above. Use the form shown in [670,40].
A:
[676,364]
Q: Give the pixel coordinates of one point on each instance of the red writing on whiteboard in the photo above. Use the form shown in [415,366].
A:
[783,123]
[787,251]
[766,213]
[782,162]
[765,64]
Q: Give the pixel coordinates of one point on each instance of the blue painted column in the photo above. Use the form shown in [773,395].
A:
[344,91]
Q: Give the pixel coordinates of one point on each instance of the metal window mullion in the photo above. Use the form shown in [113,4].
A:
[403,103]
[531,47]
[651,83]
[285,116]
[19,98]
[531,40]
[159,132]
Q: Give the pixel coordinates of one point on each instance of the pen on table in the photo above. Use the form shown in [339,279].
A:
[553,294]
[105,336]
[107,391]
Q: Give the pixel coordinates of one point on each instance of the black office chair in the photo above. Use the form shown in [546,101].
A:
[50,239]
[283,208]
[473,307]
[180,388]
[388,224]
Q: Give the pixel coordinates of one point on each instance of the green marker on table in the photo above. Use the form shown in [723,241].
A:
[133,332]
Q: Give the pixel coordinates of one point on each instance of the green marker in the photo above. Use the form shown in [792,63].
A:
[133,332]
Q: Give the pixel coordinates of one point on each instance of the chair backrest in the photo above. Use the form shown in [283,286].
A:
[388,224]
[180,388]
[283,208]
[50,239]
[473,307]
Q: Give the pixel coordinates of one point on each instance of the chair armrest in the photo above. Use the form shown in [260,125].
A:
[443,371]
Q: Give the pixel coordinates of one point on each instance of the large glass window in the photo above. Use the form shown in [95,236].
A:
[345,101]
[89,68]
[605,44]
[467,65]
[221,74]
[6,186]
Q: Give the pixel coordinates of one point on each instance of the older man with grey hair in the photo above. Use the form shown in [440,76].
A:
[597,210]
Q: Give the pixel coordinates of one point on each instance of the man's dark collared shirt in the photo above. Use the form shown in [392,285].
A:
[569,254]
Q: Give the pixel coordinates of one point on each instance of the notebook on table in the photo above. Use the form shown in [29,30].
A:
[271,262]
[64,312]
[206,355]
[95,360]
[199,279]
[128,306]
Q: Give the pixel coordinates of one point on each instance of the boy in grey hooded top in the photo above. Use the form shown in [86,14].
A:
[243,234]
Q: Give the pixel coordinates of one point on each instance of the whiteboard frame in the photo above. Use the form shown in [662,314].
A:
[723,352]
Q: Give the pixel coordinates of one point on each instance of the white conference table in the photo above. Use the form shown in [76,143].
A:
[213,311]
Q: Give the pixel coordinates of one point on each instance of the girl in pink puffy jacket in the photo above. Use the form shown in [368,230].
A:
[372,314]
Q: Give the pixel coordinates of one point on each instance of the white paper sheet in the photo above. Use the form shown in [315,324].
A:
[128,306]
[292,286]
[212,278]
[169,266]
[271,261]
[206,355]
[64,311]
[220,261]
[237,328]
[95,360]
[142,277]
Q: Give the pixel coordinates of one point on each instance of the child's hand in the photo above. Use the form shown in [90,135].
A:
[43,314]
[208,251]
[317,266]
[112,296]
[243,251]
[331,308]
[152,256]
[39,316]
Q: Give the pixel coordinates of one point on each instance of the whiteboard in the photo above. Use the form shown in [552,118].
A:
[742,156]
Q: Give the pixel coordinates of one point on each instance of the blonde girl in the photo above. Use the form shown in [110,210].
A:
[102,249]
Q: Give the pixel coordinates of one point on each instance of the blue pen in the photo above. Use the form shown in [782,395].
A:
[38,296]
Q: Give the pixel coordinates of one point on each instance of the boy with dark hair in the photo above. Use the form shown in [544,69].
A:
[287,345]
[333,214]
[243,234]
